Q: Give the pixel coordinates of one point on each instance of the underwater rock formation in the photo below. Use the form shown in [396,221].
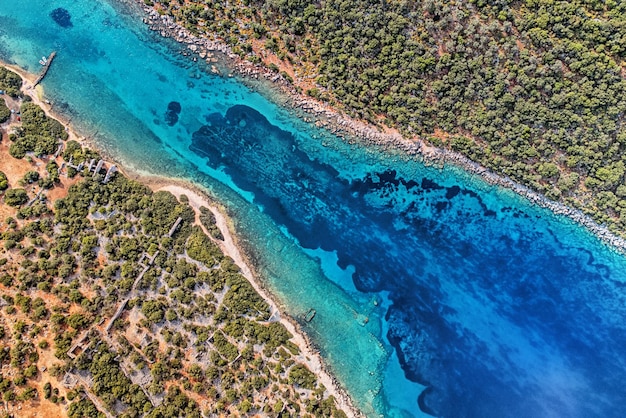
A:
[62,17]
[172,112]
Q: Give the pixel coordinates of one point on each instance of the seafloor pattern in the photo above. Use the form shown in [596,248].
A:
[497,307]
[492,312]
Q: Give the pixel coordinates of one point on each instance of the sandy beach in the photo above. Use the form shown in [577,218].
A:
[36,93]
[308,355]
[337,123]
[197,198]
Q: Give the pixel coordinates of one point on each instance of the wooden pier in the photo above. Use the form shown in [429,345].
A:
[45,68]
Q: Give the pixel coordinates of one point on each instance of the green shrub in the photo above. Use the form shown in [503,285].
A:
[15,197]
[5,112]
[303,377]
[4,182]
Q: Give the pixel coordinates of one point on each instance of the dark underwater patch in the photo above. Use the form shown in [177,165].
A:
[172,112]
[174,107]
[430,245]
[62,17]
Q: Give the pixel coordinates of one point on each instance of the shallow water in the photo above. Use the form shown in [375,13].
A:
[497,307]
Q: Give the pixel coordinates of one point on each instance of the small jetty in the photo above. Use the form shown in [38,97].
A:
[308,317]
[46,62]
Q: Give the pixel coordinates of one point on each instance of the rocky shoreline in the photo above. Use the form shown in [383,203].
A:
[323,115]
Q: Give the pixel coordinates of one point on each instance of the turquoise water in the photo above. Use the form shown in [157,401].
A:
[435,292]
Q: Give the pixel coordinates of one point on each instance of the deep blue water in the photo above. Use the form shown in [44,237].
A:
[495,307]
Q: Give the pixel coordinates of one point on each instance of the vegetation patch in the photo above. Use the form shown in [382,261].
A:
[109,308]
[5,112]
[532,90]
[10,82]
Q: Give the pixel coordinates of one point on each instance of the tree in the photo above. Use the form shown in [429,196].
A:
[31,177]
[301,376]
[15,197]
[10,82]
[154,310]
[5,112]
[4,182]
[78,321]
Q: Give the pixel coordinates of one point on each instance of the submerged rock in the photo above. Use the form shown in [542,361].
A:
[171,114]
[62,17]
[174,107]
[170,118]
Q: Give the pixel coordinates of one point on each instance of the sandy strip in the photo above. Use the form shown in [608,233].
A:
[309,356]
[197,198]
[36,94]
